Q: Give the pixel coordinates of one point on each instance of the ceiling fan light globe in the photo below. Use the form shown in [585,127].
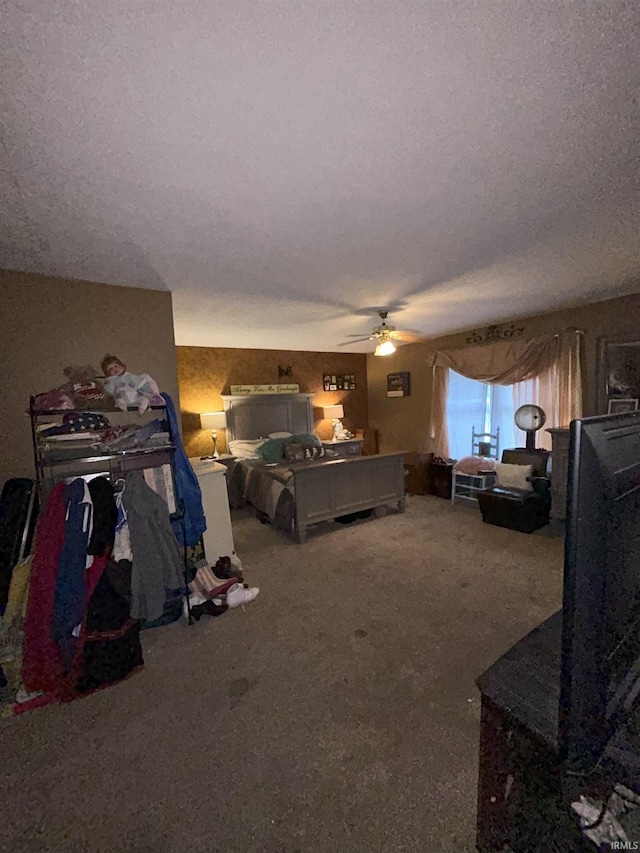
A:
[385,348]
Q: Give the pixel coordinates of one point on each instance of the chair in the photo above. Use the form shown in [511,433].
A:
[517,508]
[485,443]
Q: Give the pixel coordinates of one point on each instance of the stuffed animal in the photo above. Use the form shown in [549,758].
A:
[86,389]
[82,390]
[56,398]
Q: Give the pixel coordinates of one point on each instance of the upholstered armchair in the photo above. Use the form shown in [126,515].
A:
[521,498]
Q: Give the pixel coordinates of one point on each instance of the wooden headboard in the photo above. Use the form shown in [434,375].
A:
[256,415]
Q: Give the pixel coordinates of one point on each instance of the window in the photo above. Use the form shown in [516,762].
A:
[472,404]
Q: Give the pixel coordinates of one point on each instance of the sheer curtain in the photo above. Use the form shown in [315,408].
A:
[466,408]
[502,414]
[557,390]
[477,405]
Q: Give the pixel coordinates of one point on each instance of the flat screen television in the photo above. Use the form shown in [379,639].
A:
[600,655]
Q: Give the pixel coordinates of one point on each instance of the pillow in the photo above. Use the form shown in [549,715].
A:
[514,476]
[304,438]
[296,451]
[244,448]
[279,435]
[271,450]
[473,464]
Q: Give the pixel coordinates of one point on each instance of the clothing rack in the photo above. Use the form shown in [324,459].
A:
[55,463]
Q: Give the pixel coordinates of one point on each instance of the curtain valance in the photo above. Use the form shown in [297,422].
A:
[555,357]
[501,363]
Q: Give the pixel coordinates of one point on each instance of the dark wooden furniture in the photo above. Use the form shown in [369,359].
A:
[439,475]
[370,442]
[524,800]
[416,466]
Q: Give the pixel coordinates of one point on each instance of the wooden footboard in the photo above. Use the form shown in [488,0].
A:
[328,489]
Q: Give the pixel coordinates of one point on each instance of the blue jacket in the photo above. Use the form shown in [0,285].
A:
[69,605]
[190,527]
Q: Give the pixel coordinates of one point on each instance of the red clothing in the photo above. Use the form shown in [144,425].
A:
[41,660]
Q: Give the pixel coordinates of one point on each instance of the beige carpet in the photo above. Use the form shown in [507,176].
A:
[338,714]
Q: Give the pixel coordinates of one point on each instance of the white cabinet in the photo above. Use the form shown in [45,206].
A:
[468,485]
[218,537]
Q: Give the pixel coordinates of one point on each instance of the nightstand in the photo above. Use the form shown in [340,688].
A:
[218,537]
[349,447]
[229,461]
[226,459]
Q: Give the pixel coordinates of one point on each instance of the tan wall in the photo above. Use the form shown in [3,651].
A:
[204,373]
[49,323]
[403,422]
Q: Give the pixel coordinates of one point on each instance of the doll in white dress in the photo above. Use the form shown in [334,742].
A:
[129,389]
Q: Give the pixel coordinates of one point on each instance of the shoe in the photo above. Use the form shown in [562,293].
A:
[210,608]
[208,584]
[239,595]
[194,599]
[225,569]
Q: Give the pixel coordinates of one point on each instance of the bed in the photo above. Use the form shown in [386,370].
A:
[293,496]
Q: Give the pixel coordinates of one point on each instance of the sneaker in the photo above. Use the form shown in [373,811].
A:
[239,595]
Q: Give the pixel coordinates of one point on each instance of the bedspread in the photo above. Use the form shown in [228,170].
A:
[270,489]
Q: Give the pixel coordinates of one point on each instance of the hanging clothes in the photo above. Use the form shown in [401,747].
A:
[103,646]
[69,600]
[41,659]
[122,538]
[157,564]
[12,630]
[111,647]
[192,525]
[105,514]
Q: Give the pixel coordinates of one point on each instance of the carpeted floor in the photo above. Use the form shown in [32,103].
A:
[337,714]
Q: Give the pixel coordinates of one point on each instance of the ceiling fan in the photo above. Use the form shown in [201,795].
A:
[385,335]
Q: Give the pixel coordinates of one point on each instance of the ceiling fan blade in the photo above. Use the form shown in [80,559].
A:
[356,336]
[348,343]
[409,336]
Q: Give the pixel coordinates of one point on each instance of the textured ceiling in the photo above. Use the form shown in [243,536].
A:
[286,168]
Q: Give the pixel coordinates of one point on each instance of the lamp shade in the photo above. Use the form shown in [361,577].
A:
[385,348]
[213,420]
[335,412]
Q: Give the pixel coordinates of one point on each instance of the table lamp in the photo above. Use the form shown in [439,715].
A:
[213,421]
[335,413]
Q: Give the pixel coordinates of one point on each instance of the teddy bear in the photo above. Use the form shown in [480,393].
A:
[86,389]
[82,390]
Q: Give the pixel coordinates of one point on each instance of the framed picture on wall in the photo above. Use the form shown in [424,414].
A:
[618,373]
[398,384]
[339,382]
[617,407]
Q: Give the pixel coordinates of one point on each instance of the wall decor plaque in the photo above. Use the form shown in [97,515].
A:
[398,384]
[265,389]
[495,334]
